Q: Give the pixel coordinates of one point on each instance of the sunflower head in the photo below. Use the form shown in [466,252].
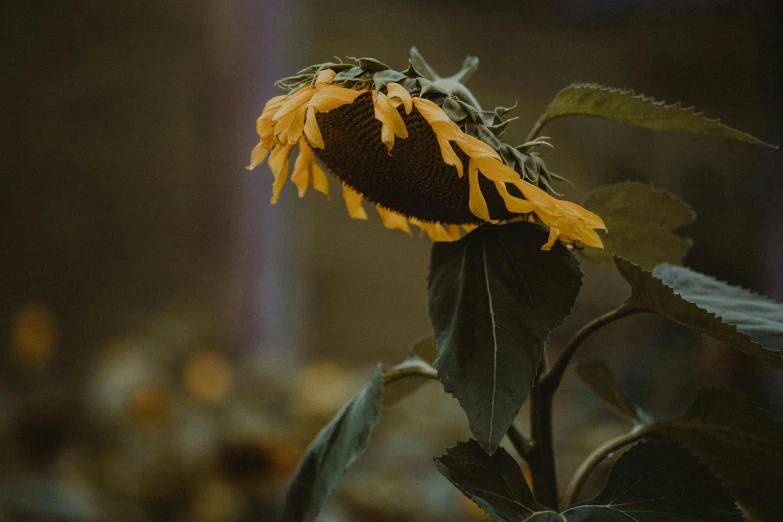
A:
[416,145]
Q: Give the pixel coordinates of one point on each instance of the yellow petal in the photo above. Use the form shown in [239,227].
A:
[538,197]
[302,168]
[439,121]
[475,148]
[496,170]
[264,125]
[320,181]
[453,232]
[295,128]
[278,162]
[353,201]
[393,125]
[325,77]
[397,91]
[271,107]
[387,137]
[590,219]
[469,228]
[333,97]
[513,203]
[449,156]
[311,130]
[436,232]
[257,156]
[553,234]
[292,104]
[393,220]
[445,130]
[477,204]
[324,101]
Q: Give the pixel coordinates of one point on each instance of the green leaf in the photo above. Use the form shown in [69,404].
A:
[494,482]
[641,221]
[625,106]
[494,296]
[740,442]
[748,322]
[651,482]
[658,482]
[335,448]
[600,378]
[404,379]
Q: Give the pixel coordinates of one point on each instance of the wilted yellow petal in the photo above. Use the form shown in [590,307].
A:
[333,97]
[553,234]
[257,156]
[390,118]
[302,167]
[325,77]
[477,204]
[393,220]
[495,169]
[590,219]
[513,203]
[292,104]
[294,130]
[320,181]
[324,101]
[453,232]
[278,162]
[311,130]
[397,91]
[449,156]
[475,148]
[538,197]
[353,201]
[271,107]
[440,122]
[436,232]
[264,125]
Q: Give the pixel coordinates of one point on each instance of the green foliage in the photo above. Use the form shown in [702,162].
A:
[625,106]
[654,482]
[748,322]
[601,379]
[493,299]
[494,296]
[494,482]
[642,221]
[740,443]
[335,448]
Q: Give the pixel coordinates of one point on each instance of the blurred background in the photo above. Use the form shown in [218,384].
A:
[170,342]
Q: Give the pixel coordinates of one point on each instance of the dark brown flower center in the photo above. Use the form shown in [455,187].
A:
[412,179]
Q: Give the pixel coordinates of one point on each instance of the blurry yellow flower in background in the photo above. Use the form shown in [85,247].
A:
[34,335]
[403,141]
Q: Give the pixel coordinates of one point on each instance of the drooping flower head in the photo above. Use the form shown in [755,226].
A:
[417,146]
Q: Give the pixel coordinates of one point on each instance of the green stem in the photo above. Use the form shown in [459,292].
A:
[542,458]
[542,454]
[522,445]
[551,380]
[597,456]
[542,120]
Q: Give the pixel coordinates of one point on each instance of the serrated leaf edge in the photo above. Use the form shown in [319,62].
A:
[689,111]
[775,357]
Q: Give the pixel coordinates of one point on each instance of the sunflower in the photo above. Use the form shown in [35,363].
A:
[417,146]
